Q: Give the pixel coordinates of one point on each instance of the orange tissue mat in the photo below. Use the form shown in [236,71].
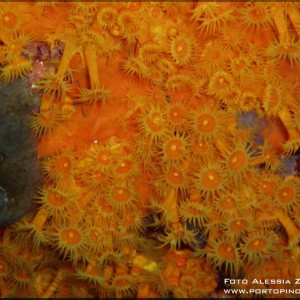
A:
[92,122]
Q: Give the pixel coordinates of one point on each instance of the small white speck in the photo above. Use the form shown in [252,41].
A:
[33,85]
[95,141]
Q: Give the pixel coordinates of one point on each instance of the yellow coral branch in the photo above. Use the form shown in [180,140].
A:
[40,218]
[91,59]
[292,231]
[54,284]
[170,202]
[71,48]
[280,23]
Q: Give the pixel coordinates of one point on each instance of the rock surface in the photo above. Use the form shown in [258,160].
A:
[19,165]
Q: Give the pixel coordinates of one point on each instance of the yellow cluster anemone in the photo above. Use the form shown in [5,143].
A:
[168,135]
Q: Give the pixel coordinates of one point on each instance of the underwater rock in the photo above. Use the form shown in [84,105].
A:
[19,165]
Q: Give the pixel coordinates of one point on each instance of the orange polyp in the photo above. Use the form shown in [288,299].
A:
[43,123]
[223,252]
[181,261]
[182,49]
[238,226]
[227,204]
[104,157]
[55,199]
[105,206]
[120,195]
[175,177]
[158,96]
[286,194]
[226,251]
[268,187]
[23,275]
[221,84]
[176,114]
[211,179]
[64,165]
[155,122]
[124,167]
[3,268]
[71,237]
[237,160]
[9,20]
[206,123]
[257,245]
[174,149]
